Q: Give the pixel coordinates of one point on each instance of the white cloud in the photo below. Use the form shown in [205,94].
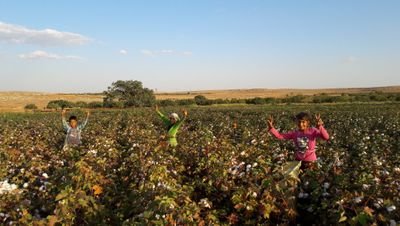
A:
[147,52]
[153,53]
[39,54]
[166,51]
[123,52]
[11,33]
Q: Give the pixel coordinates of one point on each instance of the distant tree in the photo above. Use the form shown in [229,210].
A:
[30,107]
[270,100]
[130,94]
[167,102]
[81,104]
[56,104]
[256,100]
[184,102]
[95,104]
[202,100]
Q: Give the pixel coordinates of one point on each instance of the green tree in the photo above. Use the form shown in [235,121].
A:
[81,104]
[56,104]
[130,93]
[202,100]
[31,107]
[95,104]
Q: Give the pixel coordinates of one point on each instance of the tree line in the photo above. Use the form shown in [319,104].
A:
[126,94]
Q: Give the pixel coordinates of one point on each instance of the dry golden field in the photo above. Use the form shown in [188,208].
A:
[15,101]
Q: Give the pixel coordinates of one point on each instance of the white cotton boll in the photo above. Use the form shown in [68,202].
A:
[326,185]
[358,199]
[303,195]
[366,186]
[325,194]
[45,175]
[377,180]
[255,164]
[234,172]
[385,173]
[205,203]
[254,194]
[378,204]
[391,208]
[25,185]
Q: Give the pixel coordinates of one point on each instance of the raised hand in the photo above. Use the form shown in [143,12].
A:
[184,112]
[270,122]
[87,113]
[63,111]
[319,120]
[156,107]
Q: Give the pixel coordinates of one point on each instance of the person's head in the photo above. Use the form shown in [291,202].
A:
[303,120]
[173,118]
[73,121]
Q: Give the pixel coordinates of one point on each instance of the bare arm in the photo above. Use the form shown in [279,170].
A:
[276,133]
[322,133]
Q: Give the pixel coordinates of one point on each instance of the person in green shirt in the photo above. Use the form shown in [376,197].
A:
[173,122]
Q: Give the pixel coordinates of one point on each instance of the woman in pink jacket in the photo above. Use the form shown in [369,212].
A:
[304,138]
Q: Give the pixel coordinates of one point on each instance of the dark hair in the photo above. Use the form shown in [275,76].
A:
[303,116]
[73,117]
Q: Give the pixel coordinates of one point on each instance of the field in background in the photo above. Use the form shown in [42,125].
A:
[276,93]
[16,101]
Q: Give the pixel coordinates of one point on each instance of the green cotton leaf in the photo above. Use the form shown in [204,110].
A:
[266,183]
[82,202]
[342,219]
[292,169]
[363,219]
[267,210]
[61,196]
[148,214]
[236,199]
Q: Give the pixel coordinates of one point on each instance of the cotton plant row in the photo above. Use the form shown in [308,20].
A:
[227,169]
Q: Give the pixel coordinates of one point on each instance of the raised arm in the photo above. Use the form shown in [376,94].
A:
[83,125]
[321,132]
[64,121]
[273,131]
[164,118]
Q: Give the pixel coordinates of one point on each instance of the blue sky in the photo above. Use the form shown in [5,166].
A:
[83,46]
